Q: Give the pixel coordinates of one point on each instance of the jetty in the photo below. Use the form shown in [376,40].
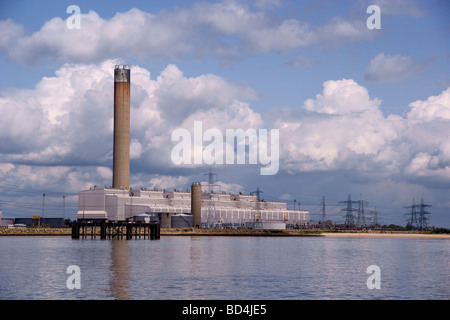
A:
[119,230]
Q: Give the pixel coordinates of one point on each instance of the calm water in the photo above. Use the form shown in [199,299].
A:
[224,268]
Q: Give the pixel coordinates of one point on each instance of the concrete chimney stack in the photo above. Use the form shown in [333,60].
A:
[196,203]
[121,165]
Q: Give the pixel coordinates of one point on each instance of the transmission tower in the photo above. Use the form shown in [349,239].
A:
[361,220]
[257,223]
[211,207]
[64,208]
[324,212]
[412,221]
[349,220]
[375,217]
[43,206]
[211,181]
[418,209]
[422,215]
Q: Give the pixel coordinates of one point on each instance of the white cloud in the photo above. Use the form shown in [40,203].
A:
[341,97]
[105,172]
[426,168]
[435,107]
[343,130]
[387,68]
[429,135]
[185,96]
[224,29]
[167,182]
[48,123]
[220,186]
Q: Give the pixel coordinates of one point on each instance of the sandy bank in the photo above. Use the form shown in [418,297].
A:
[385,235]
[35,231]
[236,232]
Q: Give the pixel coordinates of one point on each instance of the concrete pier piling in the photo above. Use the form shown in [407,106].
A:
[116,230]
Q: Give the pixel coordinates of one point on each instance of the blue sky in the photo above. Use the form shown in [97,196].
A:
[359,111]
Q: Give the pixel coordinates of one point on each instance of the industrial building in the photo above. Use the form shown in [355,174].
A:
[216,209]
[172,208]
[31,222]
[35,221]
[4,222]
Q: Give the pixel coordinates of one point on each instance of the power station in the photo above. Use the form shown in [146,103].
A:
[175,208]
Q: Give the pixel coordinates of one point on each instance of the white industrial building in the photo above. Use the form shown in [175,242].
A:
[217,209]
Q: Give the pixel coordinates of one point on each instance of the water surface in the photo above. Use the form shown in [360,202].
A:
[210,267]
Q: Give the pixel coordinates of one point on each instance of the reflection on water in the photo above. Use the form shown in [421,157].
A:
[119,286]
[224,268]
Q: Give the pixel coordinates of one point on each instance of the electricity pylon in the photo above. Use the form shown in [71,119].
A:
[349,220]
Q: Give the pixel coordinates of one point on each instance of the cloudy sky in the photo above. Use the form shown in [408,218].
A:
[359,111]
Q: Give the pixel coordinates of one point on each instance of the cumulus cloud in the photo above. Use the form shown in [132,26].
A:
[221,30]
[435,107]
[342,96]
[184,96]
[342,128]
[67,119]
[429,131]
[48,124]
[387,68]
[167,182]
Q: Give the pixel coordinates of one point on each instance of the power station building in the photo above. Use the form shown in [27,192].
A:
[207,209]
[172,208]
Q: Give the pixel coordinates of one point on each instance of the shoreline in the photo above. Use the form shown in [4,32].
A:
[389,234]
[244,232]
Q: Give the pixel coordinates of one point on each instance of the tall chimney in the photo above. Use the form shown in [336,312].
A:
[121,165]
[196,203]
